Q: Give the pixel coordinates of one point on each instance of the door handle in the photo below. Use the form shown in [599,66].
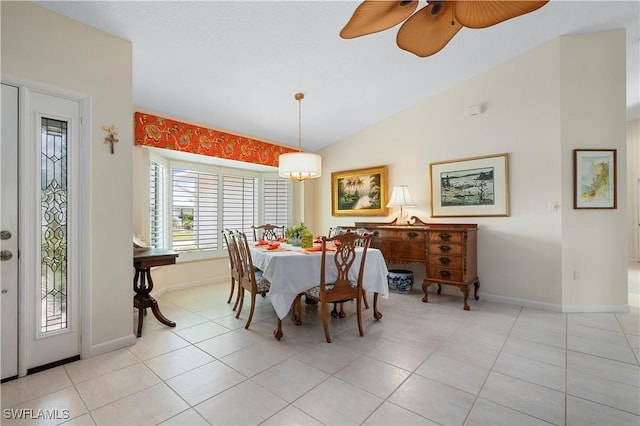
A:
[5,255]
[5,235]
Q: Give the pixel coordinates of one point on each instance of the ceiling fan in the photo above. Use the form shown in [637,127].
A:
[430,29]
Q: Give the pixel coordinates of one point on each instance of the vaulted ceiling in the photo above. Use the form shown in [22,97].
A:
[236,65]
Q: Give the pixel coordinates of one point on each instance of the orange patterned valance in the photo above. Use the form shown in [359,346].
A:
[159,132]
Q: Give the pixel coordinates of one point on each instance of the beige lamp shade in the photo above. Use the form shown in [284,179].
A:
[400,197]
[300,166]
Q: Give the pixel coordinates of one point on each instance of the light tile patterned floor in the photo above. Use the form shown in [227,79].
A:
[421,364]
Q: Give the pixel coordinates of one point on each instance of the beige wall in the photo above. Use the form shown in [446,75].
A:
[593,115]
[43,48]
[537,111]
[633,190]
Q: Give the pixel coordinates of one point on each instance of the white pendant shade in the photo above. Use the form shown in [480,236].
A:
[400,197]
[300,165]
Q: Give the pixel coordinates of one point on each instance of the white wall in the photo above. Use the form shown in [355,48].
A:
[521,256]
[633,190]
[47,48]
[593,116]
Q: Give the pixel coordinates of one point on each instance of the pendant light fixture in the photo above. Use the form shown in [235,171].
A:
[299,165]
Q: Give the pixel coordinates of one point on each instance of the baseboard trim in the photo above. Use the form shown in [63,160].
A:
[192,284]
[554,307]
[112,345]
[543,306]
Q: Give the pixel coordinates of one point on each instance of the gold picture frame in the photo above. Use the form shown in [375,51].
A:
[360,192]
[476,186]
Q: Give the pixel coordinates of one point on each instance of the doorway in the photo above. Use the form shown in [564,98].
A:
[42,282]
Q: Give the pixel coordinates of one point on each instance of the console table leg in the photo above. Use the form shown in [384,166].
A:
[476,284]
[425,287]
[465,291]
[140,318]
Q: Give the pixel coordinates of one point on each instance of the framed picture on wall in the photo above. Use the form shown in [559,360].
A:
[361,192]
[595,183]
[477,186]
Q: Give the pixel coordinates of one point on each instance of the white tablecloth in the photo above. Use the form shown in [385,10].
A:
[294,271]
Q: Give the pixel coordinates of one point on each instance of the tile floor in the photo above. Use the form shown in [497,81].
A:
[421,364]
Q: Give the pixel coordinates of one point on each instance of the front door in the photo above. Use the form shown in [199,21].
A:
[40,245]
[9,231]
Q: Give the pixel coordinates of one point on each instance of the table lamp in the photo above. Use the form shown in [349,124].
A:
[400,197]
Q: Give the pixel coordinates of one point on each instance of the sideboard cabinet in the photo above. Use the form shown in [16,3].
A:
[448,251]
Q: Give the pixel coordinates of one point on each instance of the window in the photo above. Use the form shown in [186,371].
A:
[194,210]
[190,203]
[157,217]
[277,203]
[240,198]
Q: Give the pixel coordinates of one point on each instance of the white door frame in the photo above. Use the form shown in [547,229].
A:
[84,222]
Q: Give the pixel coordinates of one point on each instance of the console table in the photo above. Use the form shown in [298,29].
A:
[448,251]
[143,260]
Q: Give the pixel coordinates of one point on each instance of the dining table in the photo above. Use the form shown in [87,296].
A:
[291,270]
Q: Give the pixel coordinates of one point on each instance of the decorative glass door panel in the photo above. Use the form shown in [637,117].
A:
[54,225]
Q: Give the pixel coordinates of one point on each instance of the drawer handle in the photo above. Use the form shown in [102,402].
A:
[412,234]
[376,233]
[444,237]
[445,274]
[445,248]
[444,260]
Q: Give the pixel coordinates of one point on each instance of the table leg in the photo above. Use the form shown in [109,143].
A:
[142,300]
[425,287]
[465,291]
[153,304]
[277,333]
[376,314]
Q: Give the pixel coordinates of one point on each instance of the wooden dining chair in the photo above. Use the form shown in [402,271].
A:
[251,279]
[234,264]
[343,288]
[267,232]
[338,230]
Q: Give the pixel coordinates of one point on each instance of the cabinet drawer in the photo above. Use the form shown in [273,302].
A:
[445,261]
[445,248]
[399,234]
[448,274]
[446,236]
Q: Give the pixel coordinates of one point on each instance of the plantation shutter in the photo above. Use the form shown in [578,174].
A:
[277,202]
[195,210]
[157,222]
[240,203]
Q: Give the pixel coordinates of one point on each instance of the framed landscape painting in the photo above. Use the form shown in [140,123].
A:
[360,192]
[594,179]
[477,186]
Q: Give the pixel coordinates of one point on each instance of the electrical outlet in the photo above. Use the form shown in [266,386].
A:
[554,206]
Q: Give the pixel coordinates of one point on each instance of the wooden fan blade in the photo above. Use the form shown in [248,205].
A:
[373,16]
[425,34]
[482,14]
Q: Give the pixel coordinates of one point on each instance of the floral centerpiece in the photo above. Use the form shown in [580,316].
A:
[296,233]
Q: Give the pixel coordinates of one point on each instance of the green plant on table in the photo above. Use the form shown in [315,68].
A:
[296,232]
